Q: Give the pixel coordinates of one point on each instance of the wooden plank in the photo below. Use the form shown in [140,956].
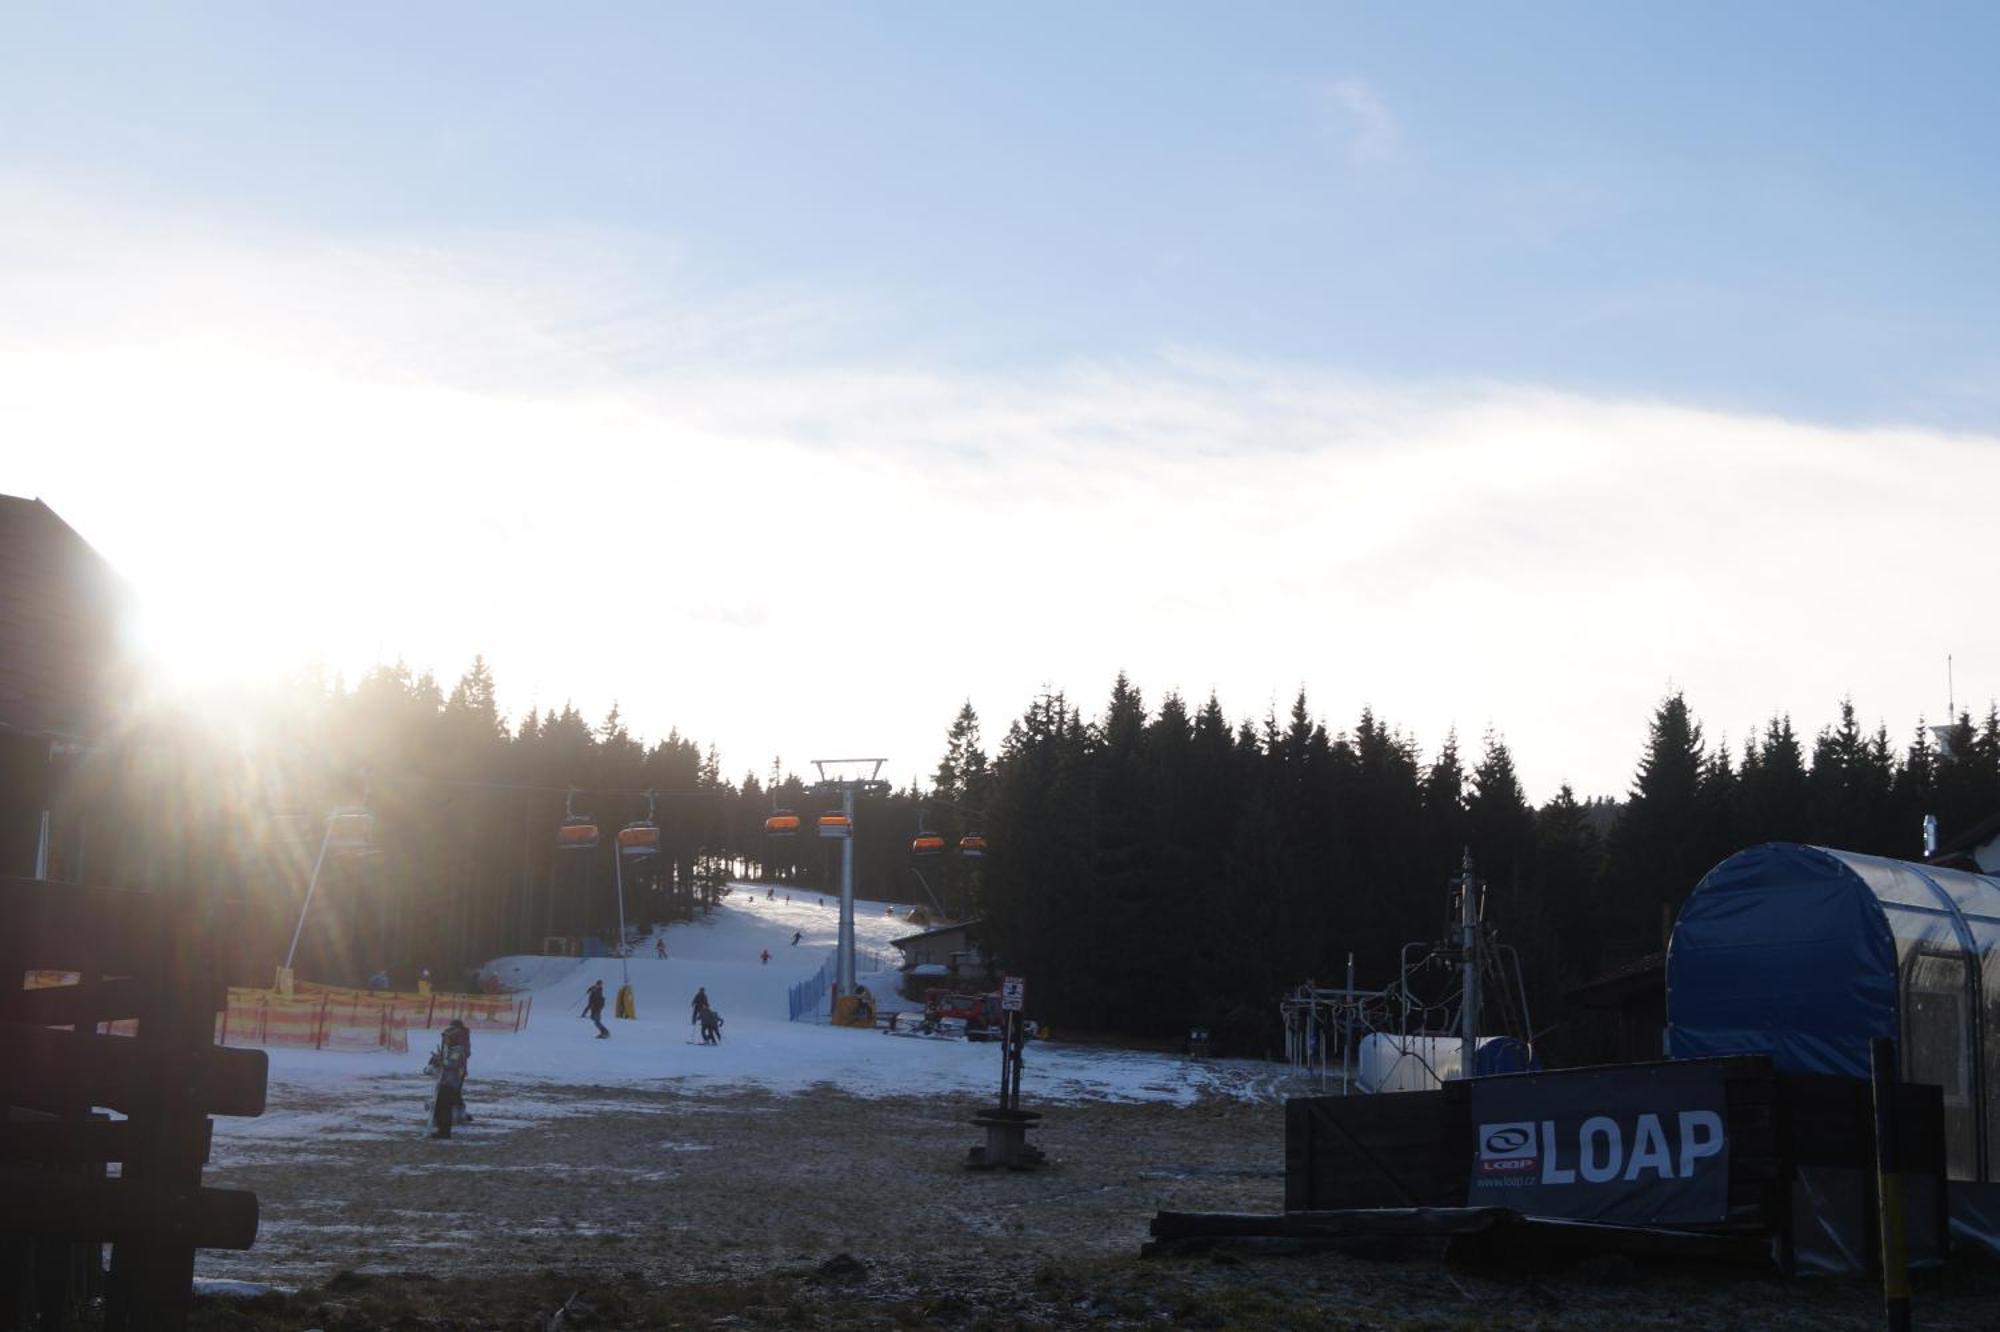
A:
[55,1143]
[1344,1221]
[83,1005]
[120,1210]
[74,927]
[120,1073]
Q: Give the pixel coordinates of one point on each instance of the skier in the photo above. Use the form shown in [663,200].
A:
[593,1008]
[711,1027]
[766,957]
[660,947]
[450,1060]
[796,936]
[770,894]
[700,1004]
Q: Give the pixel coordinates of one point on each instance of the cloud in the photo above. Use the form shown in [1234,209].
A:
[302,451]
[1360,117]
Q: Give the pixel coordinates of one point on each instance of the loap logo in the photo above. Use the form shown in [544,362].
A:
[1507,1149]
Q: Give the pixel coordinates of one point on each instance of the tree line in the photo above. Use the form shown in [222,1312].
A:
[1149,868]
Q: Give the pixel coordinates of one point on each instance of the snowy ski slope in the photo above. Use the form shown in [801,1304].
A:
[373,1093]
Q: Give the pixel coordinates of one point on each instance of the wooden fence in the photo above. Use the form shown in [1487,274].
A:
[75,1178]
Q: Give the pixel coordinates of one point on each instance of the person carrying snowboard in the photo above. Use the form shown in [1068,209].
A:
[711,1027]
[450,1060]
[593,1008]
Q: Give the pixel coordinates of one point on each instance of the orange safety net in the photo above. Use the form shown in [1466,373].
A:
[430,1012]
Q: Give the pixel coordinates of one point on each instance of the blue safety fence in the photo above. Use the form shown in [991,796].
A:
[809,995]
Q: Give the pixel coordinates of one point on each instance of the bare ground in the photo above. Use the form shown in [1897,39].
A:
[657,1208]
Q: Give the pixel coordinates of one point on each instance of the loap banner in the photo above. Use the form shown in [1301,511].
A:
[1644,1145]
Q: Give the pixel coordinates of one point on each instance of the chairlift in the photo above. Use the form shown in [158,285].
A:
[350,828]
[927,844]
[578,831]
[640,837]
[782,823]
[835,825]
[972,846]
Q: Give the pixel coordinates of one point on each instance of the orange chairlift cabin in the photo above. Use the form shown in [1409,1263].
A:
[927,844]
[577,832]
[782,823]
[350,829]
[972,846]
[639,838]
[835,824]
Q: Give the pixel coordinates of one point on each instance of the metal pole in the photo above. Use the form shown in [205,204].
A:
[1468,1012]
[1889,1187]
[1347,1034]
[311,885]
[846,964]
[618,878]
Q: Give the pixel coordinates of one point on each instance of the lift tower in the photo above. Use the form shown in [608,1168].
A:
[846,778]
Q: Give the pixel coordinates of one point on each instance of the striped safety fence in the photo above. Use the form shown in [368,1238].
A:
[429,1012]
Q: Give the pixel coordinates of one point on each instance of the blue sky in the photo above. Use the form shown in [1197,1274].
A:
[1610,297]
[1772,207]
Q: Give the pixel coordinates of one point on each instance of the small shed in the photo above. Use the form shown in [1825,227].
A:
[1805,954]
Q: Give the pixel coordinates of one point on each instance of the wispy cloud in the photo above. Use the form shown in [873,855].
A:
[390,455]
[1358,115]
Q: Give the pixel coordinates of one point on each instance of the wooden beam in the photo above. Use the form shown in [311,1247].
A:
[119,1073]
[120,1210]
[54,1142]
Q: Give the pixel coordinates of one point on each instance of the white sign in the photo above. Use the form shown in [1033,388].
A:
[1012,991]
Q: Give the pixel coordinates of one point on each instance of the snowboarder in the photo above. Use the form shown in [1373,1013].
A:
[700,1004]
[450,1061]
[766,957]
[796,936]
[593,1008]
[770,894]
[660,947]
[711,1027]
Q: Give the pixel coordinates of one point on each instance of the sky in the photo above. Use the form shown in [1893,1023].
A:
[790,375]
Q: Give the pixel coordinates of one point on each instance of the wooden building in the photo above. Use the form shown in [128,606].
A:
[959,949]
[60,608]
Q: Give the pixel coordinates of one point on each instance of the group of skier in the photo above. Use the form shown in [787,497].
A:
[707,1018]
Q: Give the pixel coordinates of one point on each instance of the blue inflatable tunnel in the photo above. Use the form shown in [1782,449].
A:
[1805,954]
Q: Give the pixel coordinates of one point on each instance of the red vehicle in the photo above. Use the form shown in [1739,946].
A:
[979,1012]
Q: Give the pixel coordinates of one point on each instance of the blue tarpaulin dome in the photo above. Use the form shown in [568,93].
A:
[1805,954]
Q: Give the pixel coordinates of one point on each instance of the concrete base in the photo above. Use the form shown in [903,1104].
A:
[1006,1146]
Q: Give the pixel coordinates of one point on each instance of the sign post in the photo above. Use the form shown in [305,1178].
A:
[1007,1124]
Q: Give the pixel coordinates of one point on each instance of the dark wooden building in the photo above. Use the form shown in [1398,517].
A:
[60,612]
